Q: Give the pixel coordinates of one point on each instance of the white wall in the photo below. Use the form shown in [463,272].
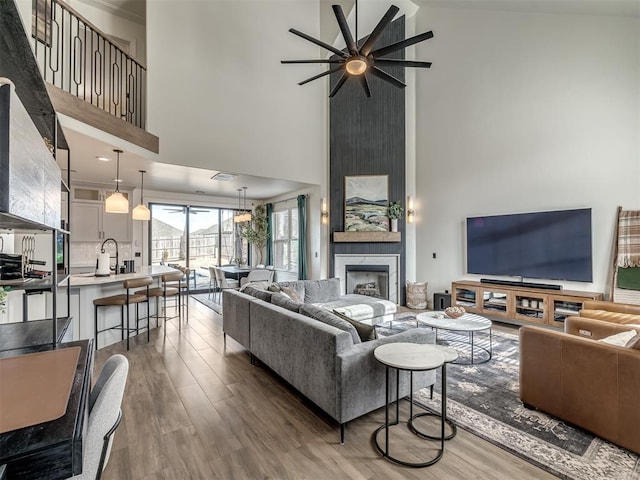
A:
[218,95]
[523,112]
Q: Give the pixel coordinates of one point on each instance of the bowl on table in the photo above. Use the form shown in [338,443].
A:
[454,312]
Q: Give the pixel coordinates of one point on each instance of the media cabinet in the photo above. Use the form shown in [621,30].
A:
[519,304]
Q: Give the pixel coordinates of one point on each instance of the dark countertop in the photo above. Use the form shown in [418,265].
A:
[29,334]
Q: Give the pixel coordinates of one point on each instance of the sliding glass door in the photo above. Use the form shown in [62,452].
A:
[195,237]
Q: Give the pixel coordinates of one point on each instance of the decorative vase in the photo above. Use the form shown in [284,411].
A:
[394,224]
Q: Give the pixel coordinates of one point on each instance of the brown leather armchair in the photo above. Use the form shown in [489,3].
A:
[588,383]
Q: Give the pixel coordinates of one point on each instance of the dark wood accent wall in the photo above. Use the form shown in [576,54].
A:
[367,137]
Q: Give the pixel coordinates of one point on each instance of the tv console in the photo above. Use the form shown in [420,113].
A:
[519,302]
[515,283]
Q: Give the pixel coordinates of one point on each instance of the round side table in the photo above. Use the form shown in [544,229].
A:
[450,356]
[411,357]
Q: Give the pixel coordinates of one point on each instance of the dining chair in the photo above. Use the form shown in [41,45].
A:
[213,283]
[257,275]
[224,283]
[105,402]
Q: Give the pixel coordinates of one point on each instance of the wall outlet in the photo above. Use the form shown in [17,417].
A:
[137,254]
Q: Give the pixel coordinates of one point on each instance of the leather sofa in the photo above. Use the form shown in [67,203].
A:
[585,382]
[325,363]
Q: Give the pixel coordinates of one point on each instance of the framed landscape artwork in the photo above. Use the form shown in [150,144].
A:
[366,198]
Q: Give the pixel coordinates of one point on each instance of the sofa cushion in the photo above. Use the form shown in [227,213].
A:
[285,301]
[321,291]
[325,316]
[258,293]
[607,316]
[365,332]
[622,339]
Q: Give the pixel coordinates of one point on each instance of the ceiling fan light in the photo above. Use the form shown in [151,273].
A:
[116,203]
[141,212]
[356,66]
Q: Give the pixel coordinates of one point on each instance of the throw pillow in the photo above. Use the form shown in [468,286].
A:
[321,291]
[365,332]
[622,339]
[292,294]
[274,287]
[258,293]
[284,301]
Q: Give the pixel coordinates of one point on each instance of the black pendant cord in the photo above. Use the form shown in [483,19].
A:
[357,39]
[142,189]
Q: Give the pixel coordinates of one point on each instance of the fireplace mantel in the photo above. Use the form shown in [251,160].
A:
[367,237]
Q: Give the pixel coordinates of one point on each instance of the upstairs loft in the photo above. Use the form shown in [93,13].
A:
[88,77]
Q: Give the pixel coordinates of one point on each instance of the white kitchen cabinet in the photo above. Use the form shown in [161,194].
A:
[89,221]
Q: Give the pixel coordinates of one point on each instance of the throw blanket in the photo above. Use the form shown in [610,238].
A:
[629,239]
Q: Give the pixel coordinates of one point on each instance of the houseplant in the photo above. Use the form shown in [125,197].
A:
[256,231]
[394,212]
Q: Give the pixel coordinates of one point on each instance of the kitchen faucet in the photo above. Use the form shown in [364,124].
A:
[116,244]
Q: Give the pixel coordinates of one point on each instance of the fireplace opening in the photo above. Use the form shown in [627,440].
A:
[371,280]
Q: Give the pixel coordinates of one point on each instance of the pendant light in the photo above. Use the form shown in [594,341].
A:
[116,202]
[242,216]
[141,212]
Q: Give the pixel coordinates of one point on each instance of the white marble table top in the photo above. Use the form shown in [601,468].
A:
[89,279]
[410,356]
[469,322]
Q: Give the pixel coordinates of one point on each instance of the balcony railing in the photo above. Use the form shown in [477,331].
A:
[78,58]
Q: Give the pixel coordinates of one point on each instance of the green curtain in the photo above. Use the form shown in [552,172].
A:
[302,237]
[269,259]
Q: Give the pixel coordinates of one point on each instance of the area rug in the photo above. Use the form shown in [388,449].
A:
[204,299]
[483,399]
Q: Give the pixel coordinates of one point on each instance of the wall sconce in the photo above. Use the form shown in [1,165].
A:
[410,211]
[324,213]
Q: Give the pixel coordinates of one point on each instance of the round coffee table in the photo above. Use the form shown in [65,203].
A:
[411,357]
[469,323]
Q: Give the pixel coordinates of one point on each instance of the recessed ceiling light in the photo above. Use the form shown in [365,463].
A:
[104,159]
[223,177]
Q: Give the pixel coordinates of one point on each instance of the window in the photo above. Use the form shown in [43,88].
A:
[285,240]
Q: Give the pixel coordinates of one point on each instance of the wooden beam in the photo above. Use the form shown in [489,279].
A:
[76,108]
[367,237]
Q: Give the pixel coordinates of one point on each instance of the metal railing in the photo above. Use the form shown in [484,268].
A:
[78,58]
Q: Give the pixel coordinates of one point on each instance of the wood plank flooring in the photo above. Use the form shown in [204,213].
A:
[195,410]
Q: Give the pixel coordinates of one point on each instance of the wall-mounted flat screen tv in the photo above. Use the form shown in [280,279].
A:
[547,245]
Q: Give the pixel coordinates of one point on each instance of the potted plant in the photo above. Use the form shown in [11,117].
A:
[256,231]
[394,212]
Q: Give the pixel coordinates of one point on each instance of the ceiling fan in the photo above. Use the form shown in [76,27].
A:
[360,60]
[193,211]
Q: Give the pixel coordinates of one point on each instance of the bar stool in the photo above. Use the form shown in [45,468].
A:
[166,290]
[124,300]
[183,286]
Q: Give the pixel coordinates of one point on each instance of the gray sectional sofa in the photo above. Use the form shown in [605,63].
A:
[313,350]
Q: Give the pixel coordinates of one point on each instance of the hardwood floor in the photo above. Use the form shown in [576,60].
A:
[193,410]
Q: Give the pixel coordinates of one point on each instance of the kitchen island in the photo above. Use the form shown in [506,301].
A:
[86,287]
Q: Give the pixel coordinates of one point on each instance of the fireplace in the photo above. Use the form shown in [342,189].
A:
[375,275]
[371,280]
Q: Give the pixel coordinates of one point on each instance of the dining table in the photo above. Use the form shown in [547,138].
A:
[236,272]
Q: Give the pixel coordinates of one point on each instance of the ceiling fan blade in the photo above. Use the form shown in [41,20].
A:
[315,77]
[386,77]
[365,85]
[344,28]
[402,63]
[312,61]
[320,43]
[377,31]
[402,44]
[338,85]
